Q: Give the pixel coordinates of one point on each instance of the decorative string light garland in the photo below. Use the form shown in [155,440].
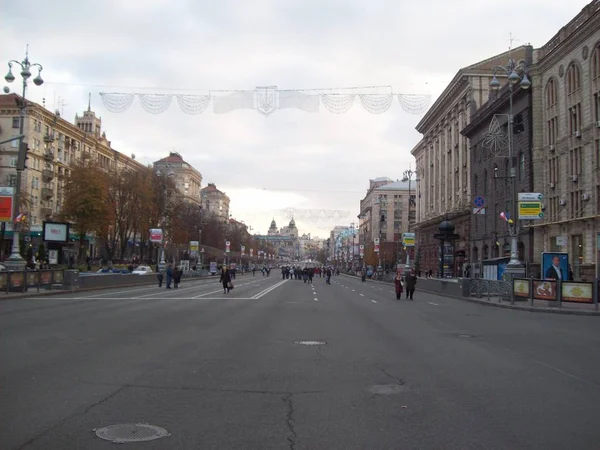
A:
[268,99]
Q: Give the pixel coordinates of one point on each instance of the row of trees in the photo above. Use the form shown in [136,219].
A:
[119,207]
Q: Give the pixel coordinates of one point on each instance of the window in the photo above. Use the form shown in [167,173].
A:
[14,143]
[550,94]
[521,166]
[576,161]
[597,154]
[16,122]
[13,161]
[574,118]
[576,204]
[573,80]
[596,63]
[12,180]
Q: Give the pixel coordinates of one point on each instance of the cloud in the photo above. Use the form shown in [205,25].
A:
[290,159]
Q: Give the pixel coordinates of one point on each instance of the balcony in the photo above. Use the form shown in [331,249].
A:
[49,156]
[45,212]
[47,193]
[47,174]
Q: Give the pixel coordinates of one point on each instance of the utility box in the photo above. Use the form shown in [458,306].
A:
[71,280]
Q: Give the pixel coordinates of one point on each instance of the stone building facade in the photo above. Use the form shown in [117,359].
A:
[566,142]
[215,202]
[55,145]
[187,179]
[444,163]
[493,173]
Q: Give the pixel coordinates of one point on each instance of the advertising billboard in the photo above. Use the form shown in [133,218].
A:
[56,232]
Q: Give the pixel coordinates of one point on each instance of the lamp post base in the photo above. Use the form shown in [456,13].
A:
[515,271]
[15,263]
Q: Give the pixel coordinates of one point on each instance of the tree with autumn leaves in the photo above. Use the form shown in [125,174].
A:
[120,206]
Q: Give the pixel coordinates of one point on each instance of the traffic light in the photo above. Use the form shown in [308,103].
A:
[22,156]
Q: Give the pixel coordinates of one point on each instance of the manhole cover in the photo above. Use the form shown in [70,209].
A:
[387,389]
[131,432]
[310,342]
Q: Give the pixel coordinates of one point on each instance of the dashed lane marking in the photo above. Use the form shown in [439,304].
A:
[434,304]
[316,299]
[373,301]
[362,295]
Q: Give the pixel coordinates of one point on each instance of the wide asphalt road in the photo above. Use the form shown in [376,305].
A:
[231,372]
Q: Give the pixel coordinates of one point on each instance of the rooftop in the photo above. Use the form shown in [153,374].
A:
[398,186]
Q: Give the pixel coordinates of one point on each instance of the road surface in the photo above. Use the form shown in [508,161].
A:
[231,371]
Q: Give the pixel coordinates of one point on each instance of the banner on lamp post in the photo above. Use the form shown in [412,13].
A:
[243,249]
[227,246]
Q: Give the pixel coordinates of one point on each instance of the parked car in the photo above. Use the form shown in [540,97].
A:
[142,270]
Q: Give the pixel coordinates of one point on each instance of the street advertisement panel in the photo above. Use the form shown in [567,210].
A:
[554,263]
[56,232]
[243,250]
[156,235]
[361,250]
[577,292]
[545,289]
[6,204]
[409,239]
[227,246]
[520,287]
[213,267]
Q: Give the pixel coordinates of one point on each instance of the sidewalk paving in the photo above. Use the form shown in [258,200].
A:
[574,308]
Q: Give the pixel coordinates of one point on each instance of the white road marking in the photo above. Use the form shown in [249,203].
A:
[362,295]
[316,299]
[269,289]
[434,304]
[373,301]
[353,290]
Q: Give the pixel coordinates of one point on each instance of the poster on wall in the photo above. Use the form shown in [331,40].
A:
[56,232]
[544,290]
[555,266]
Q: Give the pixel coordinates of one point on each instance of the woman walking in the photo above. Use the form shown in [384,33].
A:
[398,283]
[225,279]
[409,284]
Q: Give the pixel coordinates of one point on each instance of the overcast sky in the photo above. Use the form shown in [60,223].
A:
[290,159]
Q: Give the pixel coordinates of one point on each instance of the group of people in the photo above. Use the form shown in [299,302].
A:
[172,275]
[406,283]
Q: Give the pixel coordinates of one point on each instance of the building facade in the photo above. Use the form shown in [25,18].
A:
[215,202]
[566,143]
[444,163]
[187,179]
[493,173]
[285,240]
[55,145]
[386,212]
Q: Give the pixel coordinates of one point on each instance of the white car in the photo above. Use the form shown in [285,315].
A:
[142,270]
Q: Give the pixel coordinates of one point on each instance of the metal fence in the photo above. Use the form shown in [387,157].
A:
[26,280]
[499,290]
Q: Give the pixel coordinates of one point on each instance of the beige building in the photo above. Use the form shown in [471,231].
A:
[214,201]
[54,146]
[187,179]
[566,142]
[386,211]
[443,161]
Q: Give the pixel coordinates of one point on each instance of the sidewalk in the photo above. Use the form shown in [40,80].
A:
[575,309]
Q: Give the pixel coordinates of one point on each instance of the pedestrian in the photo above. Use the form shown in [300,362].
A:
[160,276]
[328,276]
[169,275]
[177,276]
[409,283]
[398,285]
[225,279]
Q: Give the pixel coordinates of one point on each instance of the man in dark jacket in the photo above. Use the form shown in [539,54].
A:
[409,284]
[169,274]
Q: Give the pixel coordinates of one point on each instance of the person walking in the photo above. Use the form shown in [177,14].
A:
[398,285]
[225,279]
[409,283]
[159,276]
[177,277]
[169,274]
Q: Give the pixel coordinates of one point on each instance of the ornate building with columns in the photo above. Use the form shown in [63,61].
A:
[444,163]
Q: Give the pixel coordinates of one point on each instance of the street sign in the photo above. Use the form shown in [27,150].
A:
[479,201]
[6,208]
[408,239]
[480,211]
[530,210]
[227,245]
[530,197]
[156,235]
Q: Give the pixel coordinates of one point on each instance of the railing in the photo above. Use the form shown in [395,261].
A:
[497,289]
[23,281]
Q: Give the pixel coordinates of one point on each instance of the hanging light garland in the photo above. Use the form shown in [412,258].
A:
[268,99]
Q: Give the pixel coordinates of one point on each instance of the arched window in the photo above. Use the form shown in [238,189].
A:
[550,94]
[596,82]
[573,79]
[521,166]
[573,85]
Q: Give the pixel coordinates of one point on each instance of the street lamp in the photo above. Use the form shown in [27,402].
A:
[516,73]
[407,176]
[15,261]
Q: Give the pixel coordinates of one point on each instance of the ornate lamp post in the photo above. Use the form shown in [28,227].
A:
[15,261]
[516,73]
[407,176]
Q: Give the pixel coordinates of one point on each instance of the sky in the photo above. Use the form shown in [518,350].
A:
[316,166]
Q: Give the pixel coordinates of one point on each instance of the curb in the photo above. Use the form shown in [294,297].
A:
[50,293]
[535,309]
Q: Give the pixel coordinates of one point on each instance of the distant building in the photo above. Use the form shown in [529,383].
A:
[285,240]
[187,179]
[215,202]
